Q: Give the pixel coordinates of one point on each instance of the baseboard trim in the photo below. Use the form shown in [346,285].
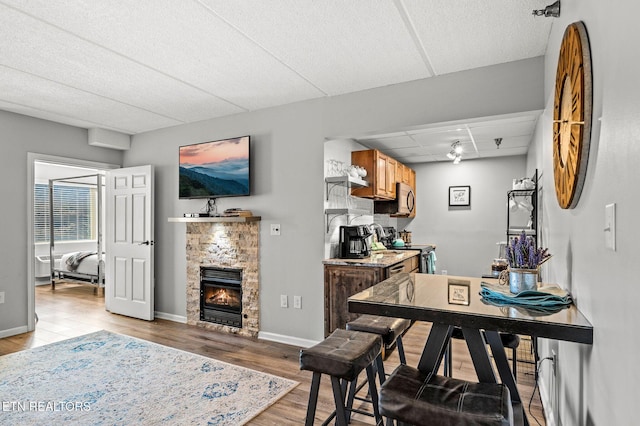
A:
[547,406]
[288,340]
[170,317]
[13,331]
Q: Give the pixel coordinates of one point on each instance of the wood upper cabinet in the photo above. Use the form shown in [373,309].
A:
[404,174]
[381,174]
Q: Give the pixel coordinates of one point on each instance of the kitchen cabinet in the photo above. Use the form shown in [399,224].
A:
[342,280]
[381,174]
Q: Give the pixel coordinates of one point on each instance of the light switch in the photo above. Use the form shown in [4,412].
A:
[610,226]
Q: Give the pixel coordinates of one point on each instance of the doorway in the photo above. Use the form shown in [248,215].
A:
[77,229]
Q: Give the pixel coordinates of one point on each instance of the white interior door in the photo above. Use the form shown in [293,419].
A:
[129,279]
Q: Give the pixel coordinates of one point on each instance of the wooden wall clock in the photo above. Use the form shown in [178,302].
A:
[572,115]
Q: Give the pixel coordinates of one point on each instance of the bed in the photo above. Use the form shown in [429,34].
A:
[80,266]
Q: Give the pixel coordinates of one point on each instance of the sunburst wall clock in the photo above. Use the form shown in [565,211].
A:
[572,115]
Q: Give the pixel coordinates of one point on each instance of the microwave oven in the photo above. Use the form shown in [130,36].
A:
[403,205]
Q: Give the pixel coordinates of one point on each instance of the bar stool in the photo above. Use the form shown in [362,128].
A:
[410,396]
[509,341]
[389,329]
[342,356]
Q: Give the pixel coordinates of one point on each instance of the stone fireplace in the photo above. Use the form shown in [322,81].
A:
[224,245]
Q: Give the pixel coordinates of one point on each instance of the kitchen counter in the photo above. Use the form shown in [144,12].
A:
[381,258]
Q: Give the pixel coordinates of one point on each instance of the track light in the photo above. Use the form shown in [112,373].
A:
[456,152]
[553,10]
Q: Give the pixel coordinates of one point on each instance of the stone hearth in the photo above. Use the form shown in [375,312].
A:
[229,245]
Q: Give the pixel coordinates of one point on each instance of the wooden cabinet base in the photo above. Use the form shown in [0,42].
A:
[341,282]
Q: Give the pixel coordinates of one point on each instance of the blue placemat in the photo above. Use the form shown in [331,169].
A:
[547,296]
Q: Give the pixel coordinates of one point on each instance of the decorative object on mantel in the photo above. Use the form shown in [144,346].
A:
[237,212]
[524,260]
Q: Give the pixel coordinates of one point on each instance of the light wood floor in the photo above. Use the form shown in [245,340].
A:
[73,309]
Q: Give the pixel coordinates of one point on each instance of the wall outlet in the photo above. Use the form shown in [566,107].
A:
[444,272]
[275,229]
[284,303]
[1,296]
[297,302]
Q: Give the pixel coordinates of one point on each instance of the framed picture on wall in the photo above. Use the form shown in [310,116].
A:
[459,195]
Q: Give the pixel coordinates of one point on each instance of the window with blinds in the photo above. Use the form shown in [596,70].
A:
[74,213]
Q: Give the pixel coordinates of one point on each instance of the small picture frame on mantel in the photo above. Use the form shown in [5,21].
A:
[459,196]
[459,291]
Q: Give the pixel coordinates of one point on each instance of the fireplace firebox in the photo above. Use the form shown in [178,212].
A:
[221,295]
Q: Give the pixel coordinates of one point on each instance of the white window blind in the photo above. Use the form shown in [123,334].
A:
[74,213]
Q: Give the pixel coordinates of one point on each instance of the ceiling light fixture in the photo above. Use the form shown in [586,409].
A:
[553,10]
[456,152]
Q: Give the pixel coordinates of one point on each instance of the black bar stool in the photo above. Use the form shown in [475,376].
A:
[389,329]
[509,341]
[342,356]
[412,397]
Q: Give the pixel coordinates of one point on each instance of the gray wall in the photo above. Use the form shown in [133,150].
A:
[20,135]
[596,384]
[465,237]
[288,167]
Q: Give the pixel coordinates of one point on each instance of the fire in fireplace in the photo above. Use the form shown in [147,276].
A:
[221,295]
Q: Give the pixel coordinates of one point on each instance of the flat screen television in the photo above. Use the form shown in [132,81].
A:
[215,169]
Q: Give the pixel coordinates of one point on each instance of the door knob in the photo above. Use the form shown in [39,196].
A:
[147,243]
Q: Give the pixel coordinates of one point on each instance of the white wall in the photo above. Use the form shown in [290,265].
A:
[20,135]
[465,237]
[288,170]
[596,385]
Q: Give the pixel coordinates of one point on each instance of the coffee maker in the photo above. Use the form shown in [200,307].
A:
[354,242]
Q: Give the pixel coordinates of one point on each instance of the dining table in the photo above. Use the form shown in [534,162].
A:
[449,301]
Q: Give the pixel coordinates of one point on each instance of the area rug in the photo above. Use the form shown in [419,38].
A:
[105,378]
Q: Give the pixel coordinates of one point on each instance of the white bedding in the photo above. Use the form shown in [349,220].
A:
[88,265]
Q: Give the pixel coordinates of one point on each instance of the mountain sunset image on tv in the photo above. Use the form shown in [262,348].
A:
[215,169]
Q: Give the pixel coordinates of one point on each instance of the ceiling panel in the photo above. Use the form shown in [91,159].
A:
[340,46]
[79,64]
[45,115]
[183,40]
[394,142]
[43,95]
[465,34]
[477,136]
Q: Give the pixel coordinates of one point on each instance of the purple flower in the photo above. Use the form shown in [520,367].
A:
[522,253]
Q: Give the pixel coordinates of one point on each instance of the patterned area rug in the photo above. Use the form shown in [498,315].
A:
[105,378]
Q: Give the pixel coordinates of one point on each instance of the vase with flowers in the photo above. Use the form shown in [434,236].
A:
[524,260]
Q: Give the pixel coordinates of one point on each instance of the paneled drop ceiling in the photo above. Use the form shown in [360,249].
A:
[476,137]
[139,65]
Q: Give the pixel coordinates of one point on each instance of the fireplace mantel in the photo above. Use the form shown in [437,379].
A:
[216,219]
